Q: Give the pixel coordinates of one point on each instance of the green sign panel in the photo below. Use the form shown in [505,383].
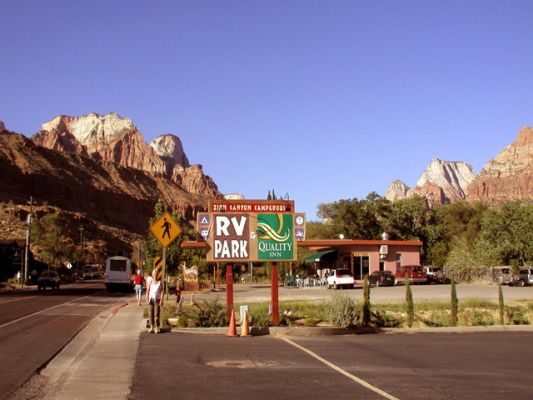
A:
[275,238]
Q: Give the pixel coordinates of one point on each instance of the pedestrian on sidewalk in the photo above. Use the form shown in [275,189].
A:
[138,281]
[154,297]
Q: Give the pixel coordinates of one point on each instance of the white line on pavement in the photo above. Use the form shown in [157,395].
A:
[71,302]
[341,371]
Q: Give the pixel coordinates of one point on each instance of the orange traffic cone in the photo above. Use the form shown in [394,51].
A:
[245,331]
[232,331]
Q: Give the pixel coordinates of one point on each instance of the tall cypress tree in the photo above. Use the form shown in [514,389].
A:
[455,305]
[365,308]
[410,307]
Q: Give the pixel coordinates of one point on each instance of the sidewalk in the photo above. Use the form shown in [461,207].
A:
[100,362]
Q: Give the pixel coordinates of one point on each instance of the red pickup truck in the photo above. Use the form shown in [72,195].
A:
[414,273]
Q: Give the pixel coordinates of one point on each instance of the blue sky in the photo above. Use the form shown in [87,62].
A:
[322,100]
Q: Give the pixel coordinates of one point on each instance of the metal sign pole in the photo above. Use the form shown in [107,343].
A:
[164,272]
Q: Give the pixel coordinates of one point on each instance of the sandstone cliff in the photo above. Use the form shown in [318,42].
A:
[396,191]
[509,176]
[442,182]
[116,139]
[105,192]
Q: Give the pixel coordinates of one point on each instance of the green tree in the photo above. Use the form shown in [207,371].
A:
[407,219]
[501,304]
[365,307]
[409,305]
[509,231]
[53,246]
[355,219]
[454,304]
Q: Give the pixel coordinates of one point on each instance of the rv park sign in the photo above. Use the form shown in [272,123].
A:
[256,230]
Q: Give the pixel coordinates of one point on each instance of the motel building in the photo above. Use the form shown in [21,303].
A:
[362,257]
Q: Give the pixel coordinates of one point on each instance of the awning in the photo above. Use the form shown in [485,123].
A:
[315,257]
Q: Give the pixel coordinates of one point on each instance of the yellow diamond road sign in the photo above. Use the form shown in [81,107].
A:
[165,229]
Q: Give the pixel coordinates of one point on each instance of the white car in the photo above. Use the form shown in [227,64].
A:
[340,278]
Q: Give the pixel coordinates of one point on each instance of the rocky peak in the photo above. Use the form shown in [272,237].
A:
[2,126]
[169,148]
[441,182]
[234,196]
[396,191]
[116,139]
[452,176]
[92,129]
[509,176]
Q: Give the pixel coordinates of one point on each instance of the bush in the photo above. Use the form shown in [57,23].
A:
[209,313]
[475,317]
[342,311]
[517,316]
[383,319]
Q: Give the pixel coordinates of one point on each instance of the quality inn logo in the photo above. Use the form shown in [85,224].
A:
[275,236]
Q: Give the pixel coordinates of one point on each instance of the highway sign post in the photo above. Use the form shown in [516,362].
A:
[245,231]
[165,230]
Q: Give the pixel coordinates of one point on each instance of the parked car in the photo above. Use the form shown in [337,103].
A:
[503,275]
[340,278]
[414,273]
[523,278]
[435,274]
[91,271]
[381,278]
[48,278]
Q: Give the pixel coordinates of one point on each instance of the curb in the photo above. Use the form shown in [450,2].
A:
[333,331]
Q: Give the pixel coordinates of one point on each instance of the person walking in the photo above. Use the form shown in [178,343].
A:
[138,281]
[154,297]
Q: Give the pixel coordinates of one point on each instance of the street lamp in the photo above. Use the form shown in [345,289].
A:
[28,232]
[81,244]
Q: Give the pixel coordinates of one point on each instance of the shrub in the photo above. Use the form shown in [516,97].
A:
[409,305]
[501,304]
[517,316]
[342,311]
[261,317]
[365,308]
[209,313]
[454,305]
[383,319]
[475,317]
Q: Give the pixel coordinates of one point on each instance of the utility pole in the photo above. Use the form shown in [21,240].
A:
[28,233]
[82,246]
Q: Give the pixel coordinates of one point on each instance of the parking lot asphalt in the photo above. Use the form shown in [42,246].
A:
[491,365]
[261,292]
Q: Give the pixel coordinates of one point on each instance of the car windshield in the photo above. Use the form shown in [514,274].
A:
[343,272]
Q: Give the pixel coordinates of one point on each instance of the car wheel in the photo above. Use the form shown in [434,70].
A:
[521,283]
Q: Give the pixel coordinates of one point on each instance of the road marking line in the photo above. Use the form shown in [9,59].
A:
[70,302]
[341,371]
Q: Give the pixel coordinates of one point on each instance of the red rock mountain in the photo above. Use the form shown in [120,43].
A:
[116,139]
[108,193]
[509,176]
[442,182]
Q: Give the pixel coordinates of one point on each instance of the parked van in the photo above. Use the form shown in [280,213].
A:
[119,273]
[90,271]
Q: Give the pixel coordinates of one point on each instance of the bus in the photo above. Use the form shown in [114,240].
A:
[119,272]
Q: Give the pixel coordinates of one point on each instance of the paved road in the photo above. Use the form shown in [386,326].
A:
[402,366]
[35,326]
[256,293]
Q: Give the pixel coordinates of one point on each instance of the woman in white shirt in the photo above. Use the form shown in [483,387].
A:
[154,297]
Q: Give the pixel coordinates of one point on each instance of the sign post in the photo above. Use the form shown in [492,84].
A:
[247,231]
[165,230]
